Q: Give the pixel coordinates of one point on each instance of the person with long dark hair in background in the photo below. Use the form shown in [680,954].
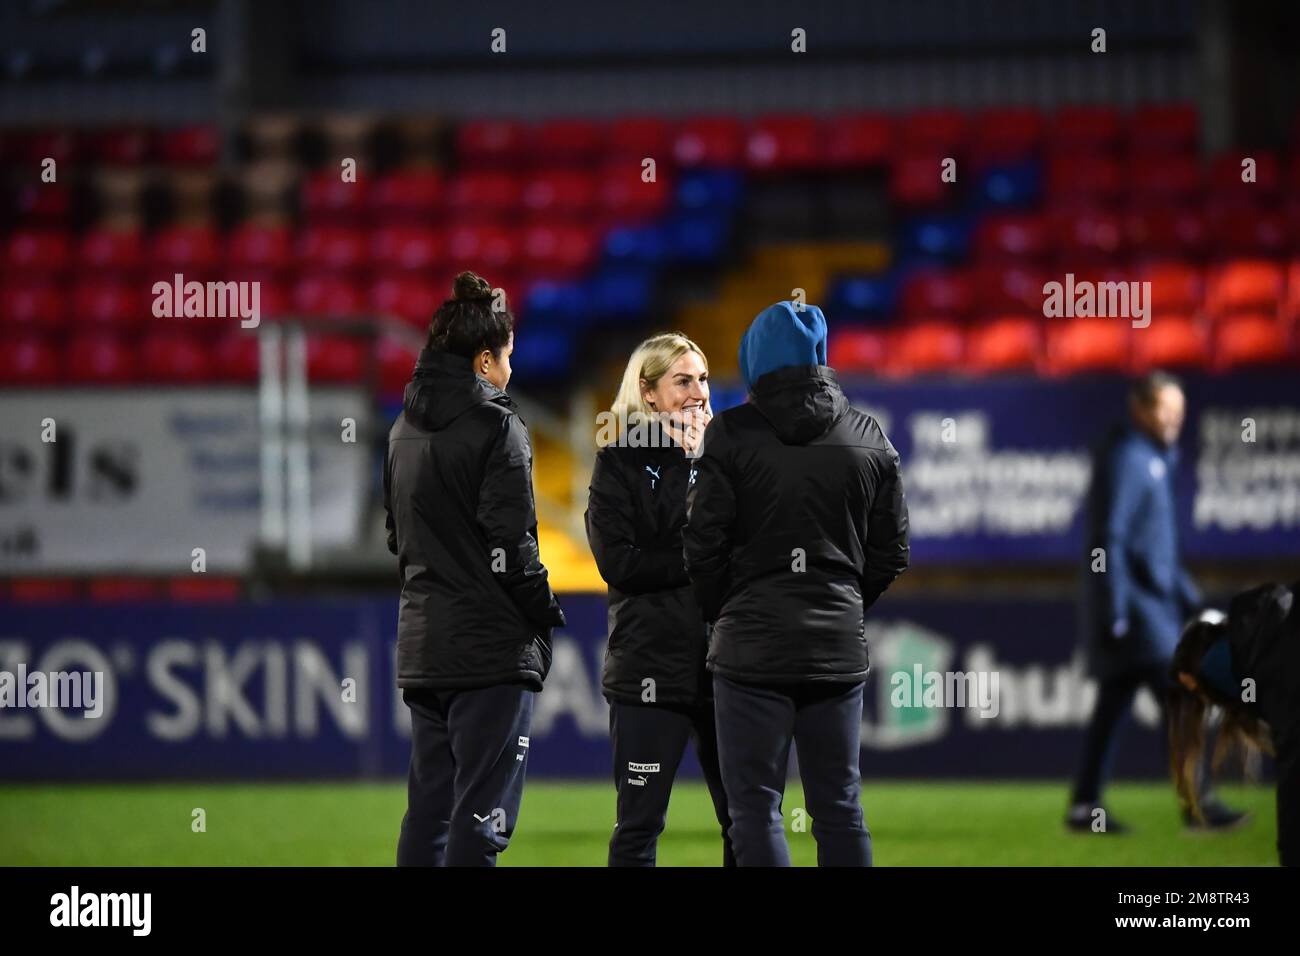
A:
[796,525]
[1248,666]
[477,612]
[654,677]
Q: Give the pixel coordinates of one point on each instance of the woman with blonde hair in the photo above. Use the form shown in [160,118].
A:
[654,677]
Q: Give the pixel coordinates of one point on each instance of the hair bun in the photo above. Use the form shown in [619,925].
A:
[470,287]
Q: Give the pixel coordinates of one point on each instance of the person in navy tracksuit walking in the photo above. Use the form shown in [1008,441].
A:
[1134,609]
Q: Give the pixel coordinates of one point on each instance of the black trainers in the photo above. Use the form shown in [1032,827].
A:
[1217,817]
[1080,819]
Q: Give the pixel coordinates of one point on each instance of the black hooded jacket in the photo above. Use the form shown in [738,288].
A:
[636,509]
[476,608]
[796,525]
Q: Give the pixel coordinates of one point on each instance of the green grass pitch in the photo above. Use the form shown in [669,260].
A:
[568,824]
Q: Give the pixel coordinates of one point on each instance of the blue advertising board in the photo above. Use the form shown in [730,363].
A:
[997,469]
[305,689]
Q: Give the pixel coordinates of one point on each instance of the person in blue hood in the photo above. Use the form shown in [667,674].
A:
[796,524]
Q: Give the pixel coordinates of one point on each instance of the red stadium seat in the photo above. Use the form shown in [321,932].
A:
[1246,285]
[937,130]
[857,350]
[62,146]
[1084,176]
[175,357]
[37,303]
[642,137]
[484,195]
[37,251]
[928,346]
[938,292]
[1088,128]
[1006,134]
[328,199]
[1166,229]
[567,193]
[1165,176]
[396,363]
[782,144]
[857,141]
[483,248]
[109,304]
[407,247]
[236,357]
[915,180]
[263,248]
[626,198]
[414,195]
[1291,308]
[193,251]
[1173,127]
[491,143]
[569,140]
[43,204]
[563,251]
[1087,345]
[335,359]
[331,247]
[710,141]
[97,359]
[123,146]
[327,293]
[1175,288]
[190,146]
[1010,288]
[1226,172]
[1011,237]
[1086,232]
[1245,229]
[411,298]
[111,250]
[1004,344]
[1170,341]
[1251,339]
[28,361]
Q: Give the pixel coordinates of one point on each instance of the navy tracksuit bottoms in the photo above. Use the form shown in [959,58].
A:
[756,725]
[469,752]
[649,741]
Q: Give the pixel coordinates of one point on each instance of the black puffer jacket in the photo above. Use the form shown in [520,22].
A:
[636,509]
[476,608]
[797,524]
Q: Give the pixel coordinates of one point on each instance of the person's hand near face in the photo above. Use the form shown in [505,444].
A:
[681,399]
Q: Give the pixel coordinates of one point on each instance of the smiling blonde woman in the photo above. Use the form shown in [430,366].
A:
[654,677]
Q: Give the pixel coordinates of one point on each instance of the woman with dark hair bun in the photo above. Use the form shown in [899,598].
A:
[1247,664]
[476,613]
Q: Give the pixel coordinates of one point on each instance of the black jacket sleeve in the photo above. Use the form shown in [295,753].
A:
[710,514]
[389,526]
[888,543]
[612,534]
[508,518]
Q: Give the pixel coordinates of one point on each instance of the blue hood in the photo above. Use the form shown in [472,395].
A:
[782,336]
